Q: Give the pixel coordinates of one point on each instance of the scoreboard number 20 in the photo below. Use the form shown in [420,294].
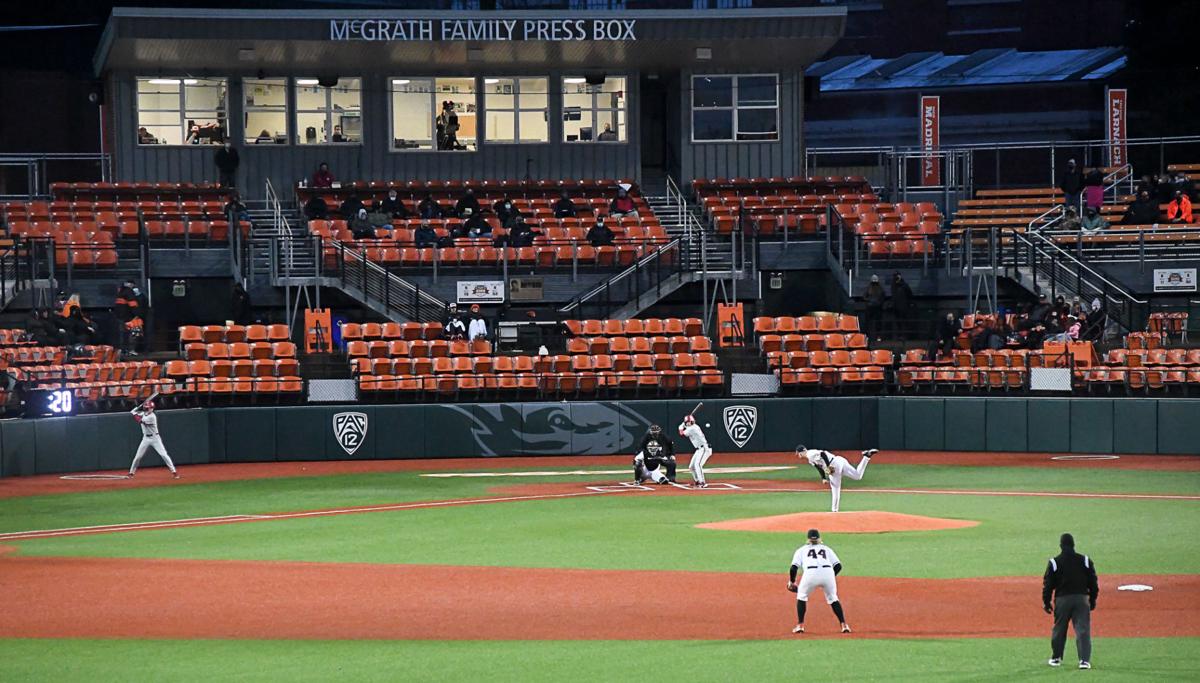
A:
[60,402]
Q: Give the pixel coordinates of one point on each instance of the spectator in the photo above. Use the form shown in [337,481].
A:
[477,328]
[454,328]
[1070,330]
[1143,211]
[1180,208]
[429,208]
[1181,183]
[239,305]
[43,330]
[1093,190]
[237,208]
[264,137]
[1092,221]
[874,298]
[322,178]
[622,204]
[476,225]
[1061,307]
[145,138]
[351,206]
[447,127]
[360,226]
[504,210]
[1097,320]
[425,235]
[393,206]
[600,235]
[227,162]
[80,329]
[316,208]
[608,134]
[465,202]
[902,303]
[945,336]
[1163,190]
[1071,183]
[1070,581]
[520,234]
[337,135]
[1040,310]
[1070,219]
[564,207]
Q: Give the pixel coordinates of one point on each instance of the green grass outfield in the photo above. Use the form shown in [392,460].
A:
[98,661]
[621,531]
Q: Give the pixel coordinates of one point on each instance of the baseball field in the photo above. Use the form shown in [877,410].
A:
[552,569]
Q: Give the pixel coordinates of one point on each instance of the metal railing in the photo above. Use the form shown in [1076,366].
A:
[29,175]
[375,285]
[647,273]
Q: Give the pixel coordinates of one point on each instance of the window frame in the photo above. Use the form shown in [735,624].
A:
[286,109]
[328,111]
[222,113]
[435,100]
[594,109]
[516,110]
[733,107]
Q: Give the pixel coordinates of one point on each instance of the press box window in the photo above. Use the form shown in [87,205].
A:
[265,106]
[594,112]
[181,111]
[330,113]
[517,109]
[735,108]
[434,114]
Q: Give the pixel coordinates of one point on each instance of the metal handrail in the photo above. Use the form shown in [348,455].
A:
[1062,213]
[378,282]
[1036,144]
[1063,253]
[632,270]
[675,198]
[1116,177]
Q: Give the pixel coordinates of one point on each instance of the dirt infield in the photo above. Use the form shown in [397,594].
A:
[124,598]
[865,522]
[11,487]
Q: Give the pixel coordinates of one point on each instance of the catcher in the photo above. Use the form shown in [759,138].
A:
[655,454]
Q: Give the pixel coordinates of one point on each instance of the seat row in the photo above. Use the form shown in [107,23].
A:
[832,341]
[841,322]
[777,185]
[211,334]
[820,359]
[106,228]
[659,344]
[179,370]
[486,256]
[564,384]
[635,327]
[484,189]
[93,211]
[1153,356]
[239,350]
[104,190]
[532,364]
[1134,378]
[93,372]
[417,348]
[55,355]
[391,331]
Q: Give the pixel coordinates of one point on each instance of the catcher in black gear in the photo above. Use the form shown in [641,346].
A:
[655,459]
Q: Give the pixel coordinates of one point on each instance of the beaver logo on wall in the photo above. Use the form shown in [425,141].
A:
[740,422]
[350,430]
[554,429]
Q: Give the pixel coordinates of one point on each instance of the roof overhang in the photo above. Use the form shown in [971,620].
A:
[335,42]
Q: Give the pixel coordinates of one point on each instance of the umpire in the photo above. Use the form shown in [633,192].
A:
[1071,580]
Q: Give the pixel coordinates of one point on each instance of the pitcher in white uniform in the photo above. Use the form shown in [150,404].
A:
[144,414]
[692,432]
[833,467]
[820,567]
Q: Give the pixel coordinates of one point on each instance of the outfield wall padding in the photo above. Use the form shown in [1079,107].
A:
[266,434]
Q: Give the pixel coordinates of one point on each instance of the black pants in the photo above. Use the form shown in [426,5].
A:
[1072,609]
[228,179]
[873,325]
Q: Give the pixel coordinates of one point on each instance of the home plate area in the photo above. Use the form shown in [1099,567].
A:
[630,486]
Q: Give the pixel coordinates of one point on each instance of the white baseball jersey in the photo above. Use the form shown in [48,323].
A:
[817,561]
[694,434]
[815,556]
[149,424]
[819,457]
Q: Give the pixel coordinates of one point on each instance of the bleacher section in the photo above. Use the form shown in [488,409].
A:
[770,205]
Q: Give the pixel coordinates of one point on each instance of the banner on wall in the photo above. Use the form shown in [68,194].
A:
[930,118]
[480,291]
[1174,279]
[1117,107]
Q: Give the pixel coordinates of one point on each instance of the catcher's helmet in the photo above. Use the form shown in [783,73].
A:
[655,430]
[801,448]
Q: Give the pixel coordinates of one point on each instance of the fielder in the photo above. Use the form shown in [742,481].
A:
[820,566]
[655,454]
[144,415]
[833,467]
[692,432]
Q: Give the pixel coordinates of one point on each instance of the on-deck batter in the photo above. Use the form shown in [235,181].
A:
[820,567]
[144,414]
[690,430]
[833,467]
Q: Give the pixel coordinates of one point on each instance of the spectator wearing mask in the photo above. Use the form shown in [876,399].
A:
[1061,307]
[351,206]
[1071,183]
[454,327]
[477,327]
[1093,190]
[902,304]
[504,210]
[1092,221]
[874,298]
[465,202]
[237,208]
[360,226]
[945,336]
[425,235]
[1096,321]
[1143,211]
[393,206]
[1180,208]
[1070,220]
[226,159]
[429,208]
[622,204]
[564,207]
[600,235]
[520,234]
[316,208]
[322,178]
[476,225]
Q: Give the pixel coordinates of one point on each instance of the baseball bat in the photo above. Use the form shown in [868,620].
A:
[698,406]
[152,397]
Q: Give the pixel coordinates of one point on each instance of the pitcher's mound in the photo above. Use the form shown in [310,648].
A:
[867,522]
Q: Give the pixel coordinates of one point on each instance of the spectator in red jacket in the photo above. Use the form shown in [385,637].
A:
[322,178]
[622,204]
[1180,208]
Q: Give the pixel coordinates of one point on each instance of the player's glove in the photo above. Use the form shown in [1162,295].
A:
[792,587]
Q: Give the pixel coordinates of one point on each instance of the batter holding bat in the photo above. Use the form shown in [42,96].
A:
[145,417]
[833,467]
[692,432]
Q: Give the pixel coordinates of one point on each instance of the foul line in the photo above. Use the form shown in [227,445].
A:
[560,473]
[592,491]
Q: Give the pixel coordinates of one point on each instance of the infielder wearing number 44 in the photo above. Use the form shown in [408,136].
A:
[820,566]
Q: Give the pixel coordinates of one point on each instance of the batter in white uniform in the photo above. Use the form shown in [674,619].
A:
[833,467]
[820,567]
[693,433]
[144,414]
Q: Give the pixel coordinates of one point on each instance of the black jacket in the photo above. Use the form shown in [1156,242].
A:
[428,208]
[1071,182]
[227,160]
[1070,574]
[564,208]
[349,208]
[394,207]
[316,208]
[467,201]
[600,235]
[657,449]
[901,296]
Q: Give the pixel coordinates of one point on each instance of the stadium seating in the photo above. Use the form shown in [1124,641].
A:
[769,206]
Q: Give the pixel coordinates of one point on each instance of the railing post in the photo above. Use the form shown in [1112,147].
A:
[574,260]
[1141,251]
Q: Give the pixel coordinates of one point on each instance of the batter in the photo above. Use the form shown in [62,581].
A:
[692,432]
[144,415]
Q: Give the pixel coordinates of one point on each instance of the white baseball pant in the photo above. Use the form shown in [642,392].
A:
[813,579]
[656,475]
[696,466]
[149,442]
[839,467]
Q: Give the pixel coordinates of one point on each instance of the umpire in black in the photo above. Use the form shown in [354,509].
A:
[1071,581]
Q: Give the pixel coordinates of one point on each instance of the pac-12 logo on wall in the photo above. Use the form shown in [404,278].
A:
[740,422]
[350,430]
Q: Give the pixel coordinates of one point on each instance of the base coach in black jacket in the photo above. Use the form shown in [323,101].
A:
[1071,581]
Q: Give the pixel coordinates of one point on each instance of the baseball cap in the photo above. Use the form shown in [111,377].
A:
[813,533]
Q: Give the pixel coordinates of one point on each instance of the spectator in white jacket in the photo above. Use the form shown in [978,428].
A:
[478,327]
